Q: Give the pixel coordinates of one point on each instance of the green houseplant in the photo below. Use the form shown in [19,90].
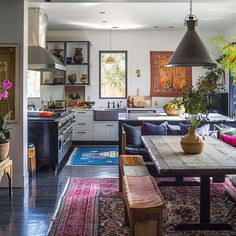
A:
[4,125]
[227,51]
[195,102]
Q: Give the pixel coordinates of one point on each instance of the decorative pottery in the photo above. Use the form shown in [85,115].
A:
[4,151]
[192,143]
[171,111]
[72,78]
[78,56]
[59,53]
[84,79]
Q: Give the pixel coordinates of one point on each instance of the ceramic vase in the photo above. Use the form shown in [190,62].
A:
[84,79]
[72,78]
[78,56]
[4,151]
[192,143]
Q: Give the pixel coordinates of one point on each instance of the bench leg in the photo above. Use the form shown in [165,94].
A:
[120,178]
[160,223]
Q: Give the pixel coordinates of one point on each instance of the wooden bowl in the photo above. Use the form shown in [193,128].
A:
[171,111]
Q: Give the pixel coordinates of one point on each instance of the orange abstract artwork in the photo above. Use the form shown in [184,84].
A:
[166,81]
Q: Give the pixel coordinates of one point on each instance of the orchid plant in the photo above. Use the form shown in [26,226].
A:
[4,125]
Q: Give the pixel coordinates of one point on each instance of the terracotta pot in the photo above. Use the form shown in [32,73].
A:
[171,111]
[4,151]
[192,143]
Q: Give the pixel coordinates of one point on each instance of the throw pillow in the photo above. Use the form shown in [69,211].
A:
[184,128]
[151,129]
[133,135]
[204,130]
[173,129]
[228,139]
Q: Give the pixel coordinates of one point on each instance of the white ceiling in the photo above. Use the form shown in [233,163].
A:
[139,15]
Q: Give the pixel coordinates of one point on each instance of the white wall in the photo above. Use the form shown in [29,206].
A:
[138,44]
[14,29]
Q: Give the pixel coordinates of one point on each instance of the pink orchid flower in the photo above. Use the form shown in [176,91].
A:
[6,84]
[1,96]
[5,94]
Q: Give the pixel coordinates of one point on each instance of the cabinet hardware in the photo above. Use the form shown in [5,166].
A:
[81,132]
[81,123]
[81,112]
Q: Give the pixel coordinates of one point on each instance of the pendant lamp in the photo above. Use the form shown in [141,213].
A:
[110,59]
[191,51]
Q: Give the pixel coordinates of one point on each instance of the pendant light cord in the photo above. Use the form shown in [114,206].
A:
[110,40]
[190,9]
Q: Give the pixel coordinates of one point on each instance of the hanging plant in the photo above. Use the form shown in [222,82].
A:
[227,51]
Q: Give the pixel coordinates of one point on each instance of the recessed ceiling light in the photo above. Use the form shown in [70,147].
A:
[156,26]
[104,21]
[114,27]
[170,27]
[102,12]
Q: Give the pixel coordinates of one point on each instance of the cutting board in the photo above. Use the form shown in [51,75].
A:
[140,101]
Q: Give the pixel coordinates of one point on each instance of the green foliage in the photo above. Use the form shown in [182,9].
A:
[211,81]
[4,129]
[227,50]
[195,103]
[175,103]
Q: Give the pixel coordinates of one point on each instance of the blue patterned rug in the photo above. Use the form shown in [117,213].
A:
[94,156]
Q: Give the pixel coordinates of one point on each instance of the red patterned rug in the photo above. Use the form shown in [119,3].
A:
[91,207]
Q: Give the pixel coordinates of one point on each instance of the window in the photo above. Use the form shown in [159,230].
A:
[33,84]
[113,77]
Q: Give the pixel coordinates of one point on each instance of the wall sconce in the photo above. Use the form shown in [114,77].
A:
[138,73]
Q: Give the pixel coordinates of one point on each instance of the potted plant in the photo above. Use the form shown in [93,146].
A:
[174,107]
[212,80]
[227,50]
[195,102]
[4,125]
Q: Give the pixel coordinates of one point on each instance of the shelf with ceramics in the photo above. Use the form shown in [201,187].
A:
[76,56]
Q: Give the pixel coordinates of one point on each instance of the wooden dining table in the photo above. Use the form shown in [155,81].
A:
[217,158]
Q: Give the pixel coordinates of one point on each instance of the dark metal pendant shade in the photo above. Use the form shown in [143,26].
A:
[191,51]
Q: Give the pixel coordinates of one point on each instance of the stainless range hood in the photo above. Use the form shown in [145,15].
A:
[39,58]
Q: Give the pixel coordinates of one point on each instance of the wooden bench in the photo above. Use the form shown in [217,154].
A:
[131,165]
[143,204]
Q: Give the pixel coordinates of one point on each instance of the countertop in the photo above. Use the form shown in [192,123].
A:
[161,116]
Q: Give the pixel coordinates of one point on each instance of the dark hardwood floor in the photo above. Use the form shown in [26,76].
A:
[29,211]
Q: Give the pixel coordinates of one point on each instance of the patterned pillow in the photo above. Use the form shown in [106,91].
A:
[133,135]
[151,129]
[184,128]
[231,140]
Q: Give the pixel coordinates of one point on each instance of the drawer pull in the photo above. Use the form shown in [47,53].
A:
[81,132]
[81,123]
[81,112]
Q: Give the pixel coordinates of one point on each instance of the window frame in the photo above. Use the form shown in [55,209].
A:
[126,72]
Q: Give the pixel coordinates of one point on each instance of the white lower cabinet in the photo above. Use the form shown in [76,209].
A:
[105,130]
[83,127]
[86,129]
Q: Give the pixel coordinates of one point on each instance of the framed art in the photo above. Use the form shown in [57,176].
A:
[74,96]
[9,71]
[166,81]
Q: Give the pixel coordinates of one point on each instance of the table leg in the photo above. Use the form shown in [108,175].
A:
[205,221]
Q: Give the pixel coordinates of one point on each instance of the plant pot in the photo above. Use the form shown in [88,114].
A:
[171,111]
[4,151]
[192,143]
